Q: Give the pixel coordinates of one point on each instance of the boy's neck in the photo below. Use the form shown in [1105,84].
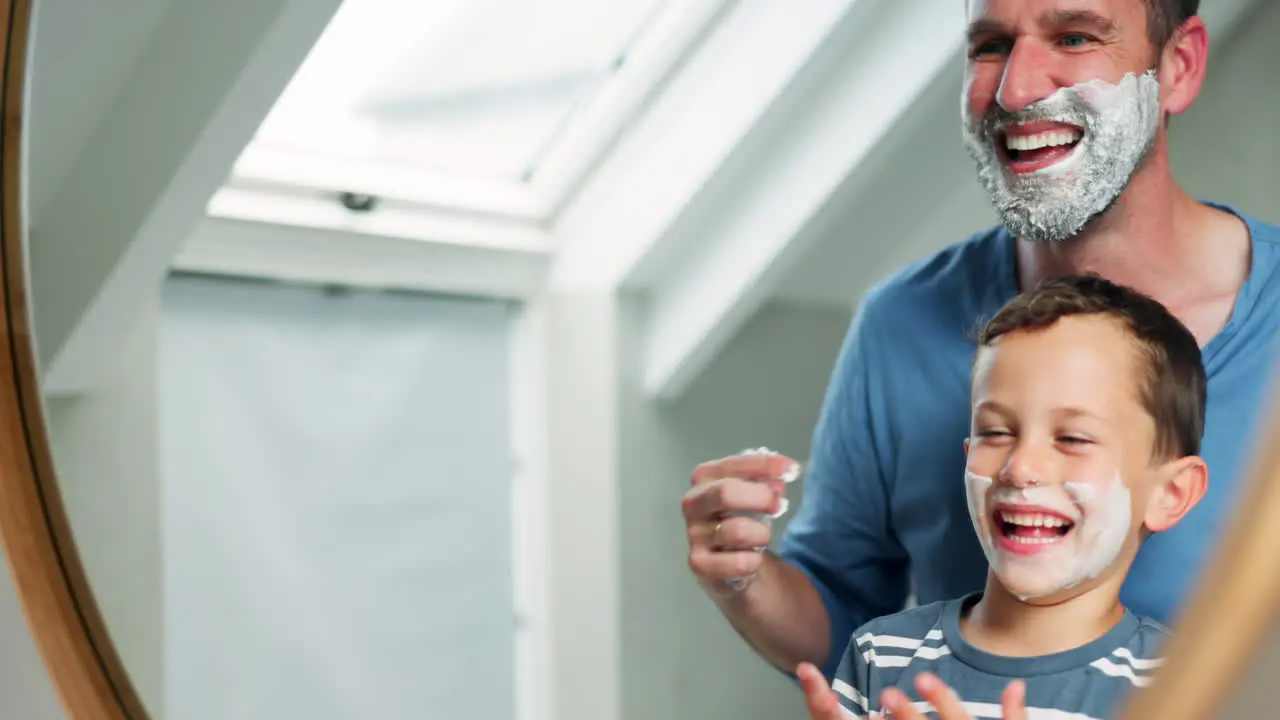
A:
[1001,624]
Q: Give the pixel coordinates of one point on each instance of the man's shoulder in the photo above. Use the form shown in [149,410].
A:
[1264,230]
[1266,249]
[955,275]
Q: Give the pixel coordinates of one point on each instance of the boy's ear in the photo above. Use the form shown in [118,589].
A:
[966,447]
[1180,486]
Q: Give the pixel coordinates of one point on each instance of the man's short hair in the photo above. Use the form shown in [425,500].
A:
[1164,17]
[1172,386]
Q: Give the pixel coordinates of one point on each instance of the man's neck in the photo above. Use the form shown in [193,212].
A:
[1004,625]
[1156,239]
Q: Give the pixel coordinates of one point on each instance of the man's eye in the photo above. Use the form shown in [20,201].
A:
[990,47]
[1074,40]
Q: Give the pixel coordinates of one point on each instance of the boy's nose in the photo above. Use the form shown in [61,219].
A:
[1022,472]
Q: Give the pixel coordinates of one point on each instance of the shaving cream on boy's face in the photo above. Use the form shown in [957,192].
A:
[1113,127]
[1049,537]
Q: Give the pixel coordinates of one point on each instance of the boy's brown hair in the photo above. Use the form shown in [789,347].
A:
[1173,386]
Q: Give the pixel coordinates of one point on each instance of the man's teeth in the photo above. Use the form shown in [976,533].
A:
[1033,520]
[1051,138]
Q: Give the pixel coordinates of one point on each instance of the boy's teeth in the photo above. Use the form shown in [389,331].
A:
[1032,519]
[1033,540]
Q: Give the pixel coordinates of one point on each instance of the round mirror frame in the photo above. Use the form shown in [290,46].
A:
[1205,659]
[78,654]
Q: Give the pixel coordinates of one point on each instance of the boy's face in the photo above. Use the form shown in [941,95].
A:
[1061,476]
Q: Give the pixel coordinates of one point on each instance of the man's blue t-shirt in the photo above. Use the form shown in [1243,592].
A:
[884,508]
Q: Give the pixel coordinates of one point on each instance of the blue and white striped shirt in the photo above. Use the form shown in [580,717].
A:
[1087,683]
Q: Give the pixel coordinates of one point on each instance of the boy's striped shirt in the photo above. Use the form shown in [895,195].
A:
[1087,683]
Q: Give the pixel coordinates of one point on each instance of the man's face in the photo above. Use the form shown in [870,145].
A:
[1060,107]
[1059,456]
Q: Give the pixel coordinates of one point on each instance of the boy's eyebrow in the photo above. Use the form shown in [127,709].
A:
[1065,412]
[992,406]
[1075,412]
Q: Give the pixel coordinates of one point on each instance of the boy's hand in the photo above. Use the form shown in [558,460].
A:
[819,698]
[1013,704]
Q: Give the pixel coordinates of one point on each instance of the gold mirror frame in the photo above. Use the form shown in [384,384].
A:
[1222,628]
[78,654]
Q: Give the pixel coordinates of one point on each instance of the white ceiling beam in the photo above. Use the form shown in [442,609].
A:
[765,209]
[724,88]
[316,240]
[210,74]
[728,254]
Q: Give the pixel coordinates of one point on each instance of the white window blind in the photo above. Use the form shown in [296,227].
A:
[336,473]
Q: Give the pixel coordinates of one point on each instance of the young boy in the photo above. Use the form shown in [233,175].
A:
[1087,413]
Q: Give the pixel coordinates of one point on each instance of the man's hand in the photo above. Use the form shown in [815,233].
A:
[946,702]
[819,698]
[724,545]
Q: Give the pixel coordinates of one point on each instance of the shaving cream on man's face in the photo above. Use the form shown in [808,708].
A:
[1046,539]
[1109,130]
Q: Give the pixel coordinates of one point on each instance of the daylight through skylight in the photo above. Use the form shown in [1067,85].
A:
[465,87]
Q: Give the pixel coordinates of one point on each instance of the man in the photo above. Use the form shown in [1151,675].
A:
[1066,105]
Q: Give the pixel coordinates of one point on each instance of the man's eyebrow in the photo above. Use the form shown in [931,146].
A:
[1079,18]
[986,27]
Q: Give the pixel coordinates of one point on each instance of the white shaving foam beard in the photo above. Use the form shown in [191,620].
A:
[1103,519]
[1120,124]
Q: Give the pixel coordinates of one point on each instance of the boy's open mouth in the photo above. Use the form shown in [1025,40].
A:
[1028,528]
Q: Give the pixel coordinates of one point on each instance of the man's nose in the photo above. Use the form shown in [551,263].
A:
[1026,77]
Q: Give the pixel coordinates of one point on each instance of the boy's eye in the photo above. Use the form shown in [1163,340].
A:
[994,432]
[1075,440]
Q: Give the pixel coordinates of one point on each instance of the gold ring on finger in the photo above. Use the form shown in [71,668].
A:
[715,535]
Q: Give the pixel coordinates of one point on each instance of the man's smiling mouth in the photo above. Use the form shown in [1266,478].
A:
[1035,146]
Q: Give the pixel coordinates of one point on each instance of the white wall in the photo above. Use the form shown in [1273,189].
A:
[680,658]
[105,455]
[1226,147]
[573,425]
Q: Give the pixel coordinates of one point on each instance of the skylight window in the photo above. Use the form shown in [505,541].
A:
[475,90]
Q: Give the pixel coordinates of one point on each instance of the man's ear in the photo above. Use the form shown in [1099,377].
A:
[966,447]
[1181,484]
[1182,65]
